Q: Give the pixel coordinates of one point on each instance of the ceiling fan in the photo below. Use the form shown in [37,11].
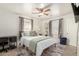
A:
[44,10]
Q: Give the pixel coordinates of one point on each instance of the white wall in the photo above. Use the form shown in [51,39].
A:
[78,43]
[9,23]
[36,25]
[70,29]
[39,25]
[44,25]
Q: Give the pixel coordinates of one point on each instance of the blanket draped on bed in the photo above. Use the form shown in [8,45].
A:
[33,43]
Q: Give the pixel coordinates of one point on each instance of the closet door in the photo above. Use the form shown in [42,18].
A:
[55,28]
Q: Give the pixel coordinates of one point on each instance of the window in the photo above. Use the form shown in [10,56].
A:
[27,25]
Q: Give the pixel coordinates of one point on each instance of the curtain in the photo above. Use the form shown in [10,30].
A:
[57,27]
[21,22]
[60,28]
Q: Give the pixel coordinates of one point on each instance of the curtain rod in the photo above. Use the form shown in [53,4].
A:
[25,18]
[57,19]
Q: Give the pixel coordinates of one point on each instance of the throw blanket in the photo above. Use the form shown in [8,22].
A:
[33,43]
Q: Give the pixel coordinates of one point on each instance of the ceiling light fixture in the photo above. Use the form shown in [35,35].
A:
[43,9]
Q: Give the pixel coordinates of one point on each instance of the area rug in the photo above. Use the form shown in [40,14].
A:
[51,51]
[58,50]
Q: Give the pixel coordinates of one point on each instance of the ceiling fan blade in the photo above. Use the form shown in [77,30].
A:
[39,9]
[35,12]
[46,10]
[46,14]
[49,5]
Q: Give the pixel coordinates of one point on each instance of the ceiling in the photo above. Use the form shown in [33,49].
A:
[57,9]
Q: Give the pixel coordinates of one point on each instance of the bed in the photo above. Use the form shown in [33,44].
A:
[36,46]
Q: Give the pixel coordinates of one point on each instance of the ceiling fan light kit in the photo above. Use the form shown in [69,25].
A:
[43,10]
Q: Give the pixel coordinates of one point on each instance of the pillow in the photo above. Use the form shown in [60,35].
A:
[26,33]
[33,33]
[29,33]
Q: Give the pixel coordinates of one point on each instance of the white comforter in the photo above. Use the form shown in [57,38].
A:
[25,40]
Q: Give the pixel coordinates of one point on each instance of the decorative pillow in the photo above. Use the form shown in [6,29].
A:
[26,33]
[29,33]
[33,33]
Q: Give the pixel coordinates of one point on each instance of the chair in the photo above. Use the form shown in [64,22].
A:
[4,44]
[1,46]
[12,42]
